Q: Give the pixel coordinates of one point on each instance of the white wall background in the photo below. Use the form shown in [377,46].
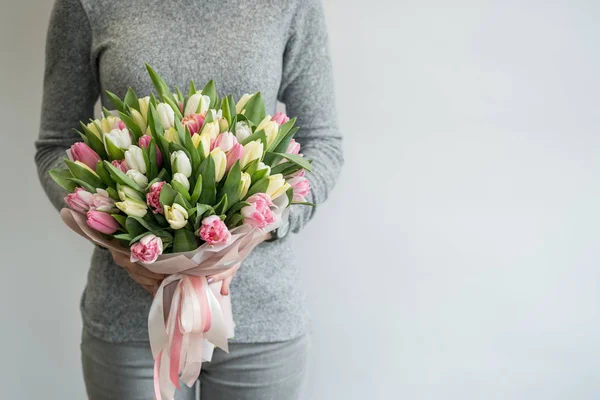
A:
[458,258]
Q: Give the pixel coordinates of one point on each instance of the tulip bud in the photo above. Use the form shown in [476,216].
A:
[181,163]
[105,125]
[244,184]
[118,137]
[277,186]
[197,104]
[252,151]
[223,125]
[125,192]
[121,164]
[166,115]
[84,153]
[220,160]
[138,177]
[216,114]
[180,178]
[242,102]
[280,118]
[211,129]
[147,249]
[271,129]
[139,119]
[102,222]
[103,202]
[171,135]
[144,142]
[225,141]
[135,159]
[293,147]
[234,154]
[301,187]
[242,131]
[176,216]
[133,208]
[80,200]
[144,102]
[204,139]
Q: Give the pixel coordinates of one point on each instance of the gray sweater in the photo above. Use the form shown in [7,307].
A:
[276,47]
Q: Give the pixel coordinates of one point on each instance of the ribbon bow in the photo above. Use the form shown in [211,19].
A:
[186,322]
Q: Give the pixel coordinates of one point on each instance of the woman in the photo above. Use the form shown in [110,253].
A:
[279,48]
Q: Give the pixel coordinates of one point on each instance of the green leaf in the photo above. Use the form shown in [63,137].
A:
[305,204]
[290,194]
[195,155]
[192,90]
[179,188]
[132,126]
[209,190]
[184,240]
[179,95]
[281,133]
[120,177]
[237,207]
[270,158]
[226,110]
[147,223]
[121,219]
[208,118]
[62,177]
[85,175]
[197,190]
[259,187]
[180,199]
[180,130]
[104,175]
[134,226]
[112,193]
[128,237]
[285,168]
[167,195]
[94,141]
[114,152]
[222,205]
[83,184]
[85,139]
[251,167]
[259,174]
[232,184]
[296,159]
[116,101]
[106,112]
[161,86]
[131,99]
[202,211]
[162,175]
[258,135]
[254,110]
[234,220]
[211,91]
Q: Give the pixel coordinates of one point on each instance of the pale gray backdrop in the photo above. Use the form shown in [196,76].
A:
[458,258]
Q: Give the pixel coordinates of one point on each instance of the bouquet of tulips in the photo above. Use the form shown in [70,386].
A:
[187,186]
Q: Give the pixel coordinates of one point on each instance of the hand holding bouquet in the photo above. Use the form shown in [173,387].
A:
[186,186]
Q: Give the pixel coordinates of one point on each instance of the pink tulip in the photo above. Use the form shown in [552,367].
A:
[147,249]
[234,154]
[293,147]
[144,141]
[153,197]
[84,153]
[80,200]
[194,123]
[258,214]
[225,141]
[121,164]
[214,231]
[301,187]
[102,202]
[280,118]
[120,125]
[102,222]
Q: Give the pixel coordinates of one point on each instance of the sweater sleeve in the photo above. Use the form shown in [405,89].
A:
[308,93]
[70,90]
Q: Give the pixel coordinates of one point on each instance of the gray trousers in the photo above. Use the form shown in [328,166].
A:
[251,371]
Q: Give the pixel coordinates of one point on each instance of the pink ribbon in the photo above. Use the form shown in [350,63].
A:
[179,338]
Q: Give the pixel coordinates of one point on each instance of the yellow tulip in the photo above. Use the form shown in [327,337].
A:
[277,186]
[271,129]
[252,151]
[220,160]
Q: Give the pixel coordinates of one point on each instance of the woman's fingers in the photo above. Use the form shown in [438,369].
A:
[224,274]
[225,287]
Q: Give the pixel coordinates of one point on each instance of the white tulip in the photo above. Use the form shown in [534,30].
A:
[181,163]
[197,104]
[181,178]
[137,177]
[166,115]
[119,137]
[271,129]
[135,159]
[176,216]
[144,102]
[133,208]
[242,131]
